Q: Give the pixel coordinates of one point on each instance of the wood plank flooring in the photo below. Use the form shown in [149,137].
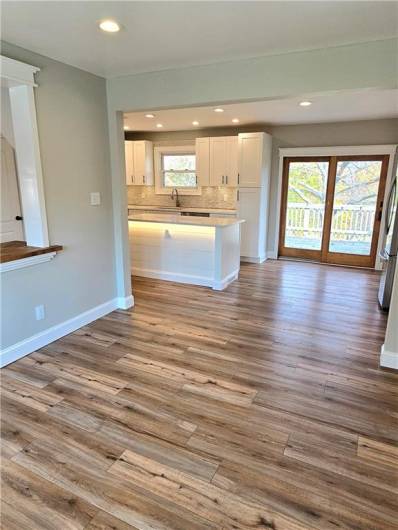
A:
[260,407]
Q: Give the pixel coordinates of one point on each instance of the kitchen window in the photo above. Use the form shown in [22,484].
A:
[175,167]
[178,170]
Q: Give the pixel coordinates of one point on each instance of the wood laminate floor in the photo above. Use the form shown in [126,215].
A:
[260,407]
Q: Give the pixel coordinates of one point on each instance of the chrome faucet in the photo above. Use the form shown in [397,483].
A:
[174,195]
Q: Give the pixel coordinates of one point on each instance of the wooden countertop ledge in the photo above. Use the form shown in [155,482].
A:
[14,250]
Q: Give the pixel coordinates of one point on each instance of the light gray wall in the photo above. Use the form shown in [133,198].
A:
[72,123]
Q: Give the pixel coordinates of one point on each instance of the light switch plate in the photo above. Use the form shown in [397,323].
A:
[39,312]
[95,198]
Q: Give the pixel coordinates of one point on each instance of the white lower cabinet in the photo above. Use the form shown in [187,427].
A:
[253,231]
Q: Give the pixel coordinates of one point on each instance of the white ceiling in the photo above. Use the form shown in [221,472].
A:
[162,35]
[343,106]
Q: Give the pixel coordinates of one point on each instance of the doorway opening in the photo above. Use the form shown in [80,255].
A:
[331,208]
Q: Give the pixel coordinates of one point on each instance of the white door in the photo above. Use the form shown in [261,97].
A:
[250,159]
[232,161]
[128,154]
[11,229]
[218,161]
[202,151]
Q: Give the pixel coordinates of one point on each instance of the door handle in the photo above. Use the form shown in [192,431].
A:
[143,179]
[226,179]
[18,218]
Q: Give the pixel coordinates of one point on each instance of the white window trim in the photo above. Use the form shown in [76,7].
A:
[390,150]
[19,79]
[172,149]
[26,262]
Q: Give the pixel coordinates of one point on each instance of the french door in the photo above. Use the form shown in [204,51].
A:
[331,208]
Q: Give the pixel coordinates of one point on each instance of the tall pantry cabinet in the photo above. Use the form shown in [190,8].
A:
[254,170]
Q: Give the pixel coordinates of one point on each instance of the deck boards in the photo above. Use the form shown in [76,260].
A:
[260,407]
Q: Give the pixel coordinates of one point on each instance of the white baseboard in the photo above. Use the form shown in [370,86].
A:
[272,254]
[125,302]
[204,281]
[33,343]
[258,259]
[172,277]
[221,285]
[388,359]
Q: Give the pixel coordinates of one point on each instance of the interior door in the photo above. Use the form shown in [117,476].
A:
[332,207]
[10,227]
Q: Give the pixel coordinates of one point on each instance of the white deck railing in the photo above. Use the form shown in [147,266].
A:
[348,221]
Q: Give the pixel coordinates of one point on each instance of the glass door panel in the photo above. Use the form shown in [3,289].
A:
[355,203]
[305,204]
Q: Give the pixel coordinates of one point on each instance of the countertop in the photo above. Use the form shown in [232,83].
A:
[182,209]
[184,220]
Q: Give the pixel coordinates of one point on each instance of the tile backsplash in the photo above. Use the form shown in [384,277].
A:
[211,197]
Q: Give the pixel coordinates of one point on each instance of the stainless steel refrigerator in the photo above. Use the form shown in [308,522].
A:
[389,254]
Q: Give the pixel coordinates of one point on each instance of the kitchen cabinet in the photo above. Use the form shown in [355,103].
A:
[139,163]
[224,161]
[254,158]
[202,151]
[252,208]
[255,150]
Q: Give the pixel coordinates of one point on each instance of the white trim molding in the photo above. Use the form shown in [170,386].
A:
[17,73]
[342,150]
[388,359]
[45,337]
[248,259]
[26,262]
[125,302]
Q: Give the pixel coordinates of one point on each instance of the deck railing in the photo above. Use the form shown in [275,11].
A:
[349,222]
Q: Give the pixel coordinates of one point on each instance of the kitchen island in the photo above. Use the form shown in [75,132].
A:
[195,250]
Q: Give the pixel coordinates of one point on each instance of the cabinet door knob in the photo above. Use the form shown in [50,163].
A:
[18,218]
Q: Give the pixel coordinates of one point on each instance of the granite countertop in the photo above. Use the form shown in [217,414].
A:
[184,220]
[183,209]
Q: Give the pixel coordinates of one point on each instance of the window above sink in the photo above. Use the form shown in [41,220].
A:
[175,167]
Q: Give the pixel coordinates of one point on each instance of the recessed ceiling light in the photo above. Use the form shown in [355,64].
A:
[149,115]
[195,123]
[110,26]
[126,127]
[235,120]
[305,103]
[218,109]
[159,125]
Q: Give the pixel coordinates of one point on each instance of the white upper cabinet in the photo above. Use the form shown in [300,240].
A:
[254,158]
[139,163]
[202,150]
[128,155]
[223,161]
[232,161]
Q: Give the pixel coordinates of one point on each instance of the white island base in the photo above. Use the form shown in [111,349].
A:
[197,250]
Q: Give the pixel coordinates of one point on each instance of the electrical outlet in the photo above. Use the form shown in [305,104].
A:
[95,198]
[39,312]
